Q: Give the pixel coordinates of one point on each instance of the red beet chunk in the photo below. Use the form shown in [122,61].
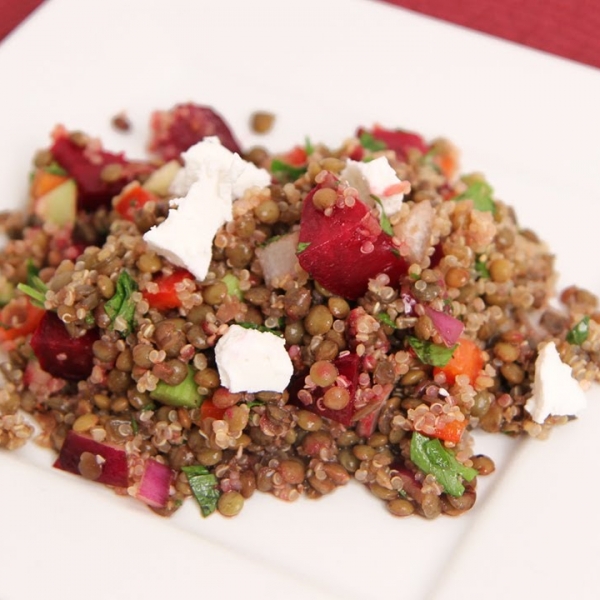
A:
[347,366]
[86,163]
[346,249]
[398,140]
[176,130]
[113,465]
[60,354]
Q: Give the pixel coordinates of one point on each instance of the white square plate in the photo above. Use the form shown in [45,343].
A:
[527,120]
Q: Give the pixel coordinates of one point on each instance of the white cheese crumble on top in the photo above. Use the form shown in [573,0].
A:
[249,360]
[555,390]
[211,179]
[378,178]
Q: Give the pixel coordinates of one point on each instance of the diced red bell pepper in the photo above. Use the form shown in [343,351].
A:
[467,360]
[167,297]
[451,432]
[344,250]
[398,140]
[114,469]
[131,199]
[177,129]
[86,163]
[60,354]
[296,157]
[208,410]
[19,318]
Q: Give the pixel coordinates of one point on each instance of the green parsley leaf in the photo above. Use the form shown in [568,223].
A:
[368,142]
[432,458]
[261,328]
[308,147]
[272,239]
[384,220]
[134,426]
[302,246]
[384,318]
[580,332]
[204,487]
[254,403]
[282,170]
[121,304]
[35,288]
[430,353]
[480,192]
[481,269]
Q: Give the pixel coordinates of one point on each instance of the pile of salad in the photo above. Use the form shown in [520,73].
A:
[215,321]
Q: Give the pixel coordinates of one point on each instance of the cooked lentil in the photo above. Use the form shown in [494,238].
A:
[477,268]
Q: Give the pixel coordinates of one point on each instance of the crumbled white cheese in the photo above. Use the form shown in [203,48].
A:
[555,390]
[249,360]
[211,179]
[211,155]
[376,177]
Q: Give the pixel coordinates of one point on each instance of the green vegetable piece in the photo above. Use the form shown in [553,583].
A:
[35,288]
[59,205]
[262,328]
[302,246]
[368,142]
[183,394]
[480,192]
[204,487]
[7,291]
[284,171]
[481,269]
[580,332]
[308,146]
[233,285]
[55,169]
[430,353]
[384,318]
[432,458]
[122,304]
[384,220]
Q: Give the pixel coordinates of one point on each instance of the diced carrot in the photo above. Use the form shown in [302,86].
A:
[296,157]
[132,198]
[451,432]
[19,318]
[208,410]
[44,182]
[167,296]
[448,164]
[466,360]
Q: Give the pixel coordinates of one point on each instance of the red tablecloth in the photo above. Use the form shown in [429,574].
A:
[567,28]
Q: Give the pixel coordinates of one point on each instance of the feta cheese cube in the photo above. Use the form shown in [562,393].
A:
[209,154]
[378,178]
[555,390]
[249,360]
[211,179]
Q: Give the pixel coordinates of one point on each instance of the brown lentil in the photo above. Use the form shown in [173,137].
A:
[319,320]
[262,121]
[230,503]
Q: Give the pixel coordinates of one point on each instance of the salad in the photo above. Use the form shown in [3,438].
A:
[215,322]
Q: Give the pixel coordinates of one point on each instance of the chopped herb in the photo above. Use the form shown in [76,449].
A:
[254,403]
[414,276]
[204,487]
[89,319]
[480,192]
[368,142]
[432,458]
[384,220]
[395,252]
[430,353]
[35,288]
[481,269]
[580,332]
[308,147]
[55,169]
[284,171]
[270,240]
[302,246]
[261,328]
[233,285]
[122,304]
[384,318]
[149,406]
[134,426]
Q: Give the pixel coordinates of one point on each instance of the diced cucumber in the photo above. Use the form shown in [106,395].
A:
[233,285]
[159,182]
[58,206]
[183,394]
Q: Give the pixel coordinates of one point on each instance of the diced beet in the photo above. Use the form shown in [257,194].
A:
[114,470]
[155,484]
[85,165]
[60,354]
[176,130]
[347,248]
[398,140]
[347,366]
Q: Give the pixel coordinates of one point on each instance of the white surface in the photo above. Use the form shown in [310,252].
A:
[527,120]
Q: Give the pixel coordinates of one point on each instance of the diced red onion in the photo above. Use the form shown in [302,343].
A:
[449,327]
[278,259]
[155,484]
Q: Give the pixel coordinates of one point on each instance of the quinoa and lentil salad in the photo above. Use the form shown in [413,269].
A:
[403,307]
